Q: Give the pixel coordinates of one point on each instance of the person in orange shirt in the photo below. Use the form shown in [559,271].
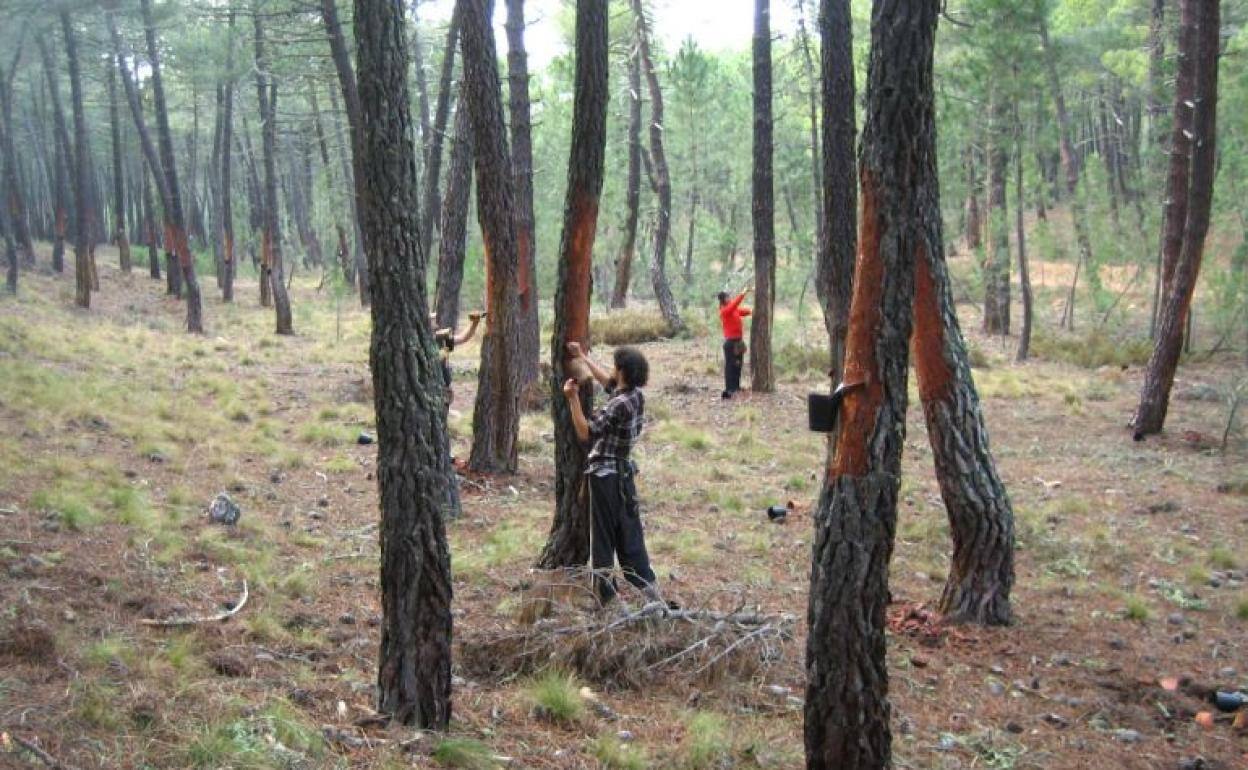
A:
[731,311]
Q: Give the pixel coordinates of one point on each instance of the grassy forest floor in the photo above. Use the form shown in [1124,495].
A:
[117,430]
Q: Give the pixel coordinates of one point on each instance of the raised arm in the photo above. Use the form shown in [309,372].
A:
[572,392]
[473,320]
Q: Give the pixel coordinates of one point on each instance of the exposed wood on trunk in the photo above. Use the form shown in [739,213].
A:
[271,240]
[632,190]
[834,270]
[568,542]
[846,705]
[522,172]
[1204,15]
[413,469]
[763,208]
[496,415]
[452,245]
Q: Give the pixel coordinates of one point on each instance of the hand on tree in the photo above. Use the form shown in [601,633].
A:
[571,390]
[476,316]
[574,350]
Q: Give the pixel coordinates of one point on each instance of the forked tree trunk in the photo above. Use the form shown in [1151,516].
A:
[14,198]
[431,213]
[179,245]
[82,232]
[119,180]
[846,706]
[568,542]
[413,470]
[662,181]
[834,269]
[271,240]
[981,520]
[997,259]
[454,229]
[762,378]
[1150,415]
[522,172]
[1070,166]
[496,415]
[632,190]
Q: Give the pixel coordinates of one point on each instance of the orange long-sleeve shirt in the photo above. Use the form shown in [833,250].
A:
[730,316]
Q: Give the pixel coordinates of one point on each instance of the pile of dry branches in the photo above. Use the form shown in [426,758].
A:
[627,647]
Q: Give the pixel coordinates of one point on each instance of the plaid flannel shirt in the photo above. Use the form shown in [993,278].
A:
[614,429]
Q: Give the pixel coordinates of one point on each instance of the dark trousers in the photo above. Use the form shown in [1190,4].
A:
[617,532]
[734,361]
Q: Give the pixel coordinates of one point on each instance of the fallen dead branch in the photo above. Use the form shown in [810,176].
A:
[632,647]
[43,756]
[191,621]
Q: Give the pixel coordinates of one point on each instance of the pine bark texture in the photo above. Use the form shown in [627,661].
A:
[65,168]
[632,190]
[82,169]
[453,242]
[177,231]
[763,208]
[119,180]
[1150,415]
[14,198]
[662,181]
[838,241]
[997,258]
[496,416]
[1178,176]
[431,212]
[1020,239]
[568,543]
[227,169]
[846,706]
[522,173]
[413,470]
[271,237]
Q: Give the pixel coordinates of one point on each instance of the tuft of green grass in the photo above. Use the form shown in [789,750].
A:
[1241,609]
[1222,557]
[70,506]
[464,753]
[340,464]
[1136,609]
[556,696]
[289,727]
[104,651]
[96,704]
[614,754]
[707,741]
[131,507]
[1092,350]
[324,434]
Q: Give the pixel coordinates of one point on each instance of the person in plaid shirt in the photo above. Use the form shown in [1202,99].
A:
[614,429]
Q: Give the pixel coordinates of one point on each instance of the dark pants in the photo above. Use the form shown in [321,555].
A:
[734,360]
[617,532]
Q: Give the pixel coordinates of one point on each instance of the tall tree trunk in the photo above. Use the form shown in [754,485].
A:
[762,378]
[65,166]
[632,190]
[1156,108]
[1020,239]
[997,260]
[496,415]
[214,187]
[271,242]
[413,470]
[808,66]
[351,105]
[454,229]
[15,199]
[1204,15]
[430,211]
[180,245]
[10,248]
[838,242]
[981,519]
[568,542]
[227,166]
[974,189]
[662,179]
[522,172]
[846,707]
[344,247]
[422,88]
[119,181]
[348,174]
[1108,150]
[1070,165]
[82,232]
[149,224]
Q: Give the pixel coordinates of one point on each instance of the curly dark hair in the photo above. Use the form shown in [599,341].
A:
[633,365]
[722,297]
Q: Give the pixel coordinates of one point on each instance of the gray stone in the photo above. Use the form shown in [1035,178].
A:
[1176,619]
[223,510]
[1127,736]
